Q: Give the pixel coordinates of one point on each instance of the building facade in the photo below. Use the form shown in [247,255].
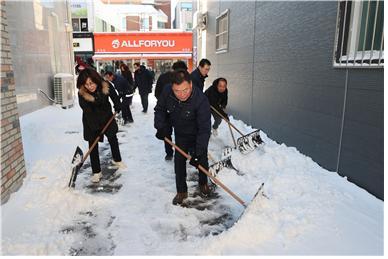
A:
[183,15]
[41,46]
[309,74]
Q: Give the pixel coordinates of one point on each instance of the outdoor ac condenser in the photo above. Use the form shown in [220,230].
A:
[64,89]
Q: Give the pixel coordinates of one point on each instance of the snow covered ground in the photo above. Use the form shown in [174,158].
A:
[305,209]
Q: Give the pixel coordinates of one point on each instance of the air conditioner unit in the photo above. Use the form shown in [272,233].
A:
[202,20]
[64,89]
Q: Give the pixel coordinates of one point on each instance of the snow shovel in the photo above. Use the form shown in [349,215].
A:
[79,159]
[200,167]
[245,143]
[216,167]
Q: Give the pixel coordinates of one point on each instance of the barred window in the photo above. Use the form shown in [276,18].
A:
[360,34]
[222,31]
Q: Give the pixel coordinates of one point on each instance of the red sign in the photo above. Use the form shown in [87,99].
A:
[143,42]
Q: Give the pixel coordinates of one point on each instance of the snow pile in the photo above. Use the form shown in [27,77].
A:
[303,209]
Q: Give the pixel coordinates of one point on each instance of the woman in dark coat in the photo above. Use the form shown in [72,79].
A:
[93,96]
[127,74]
[217,94]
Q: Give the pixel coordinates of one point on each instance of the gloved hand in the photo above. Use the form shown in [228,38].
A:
[194,161]
[160,134]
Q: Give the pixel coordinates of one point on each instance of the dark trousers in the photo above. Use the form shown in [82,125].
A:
[217,119]
[95,157]
[130,100]
[168,147]
[144,101]
[126,110]
[180,164]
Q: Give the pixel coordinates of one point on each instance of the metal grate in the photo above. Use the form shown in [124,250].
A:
[360,34]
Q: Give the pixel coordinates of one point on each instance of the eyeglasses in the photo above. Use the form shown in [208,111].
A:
[183,91]
[89,84]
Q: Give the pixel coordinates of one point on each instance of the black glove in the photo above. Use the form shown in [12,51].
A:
[160,134]
[194,161]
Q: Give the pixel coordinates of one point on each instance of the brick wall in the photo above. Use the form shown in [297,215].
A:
[12,157]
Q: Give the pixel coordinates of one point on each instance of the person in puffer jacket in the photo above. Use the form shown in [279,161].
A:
[187,109]
[93,96]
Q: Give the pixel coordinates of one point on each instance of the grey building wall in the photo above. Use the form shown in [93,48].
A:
[281,79]
[41,46]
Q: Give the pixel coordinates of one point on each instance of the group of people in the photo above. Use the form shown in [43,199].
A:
[182,107]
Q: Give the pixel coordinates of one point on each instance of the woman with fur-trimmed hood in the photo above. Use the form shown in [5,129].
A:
[93,96]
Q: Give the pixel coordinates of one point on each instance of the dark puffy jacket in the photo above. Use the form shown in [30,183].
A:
[190,119]
[216,99]
[163,80]
[197,79]
[97,110]
[143,80]
[121,84]
[128,75]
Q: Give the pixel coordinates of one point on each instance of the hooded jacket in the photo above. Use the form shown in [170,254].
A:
[97,110]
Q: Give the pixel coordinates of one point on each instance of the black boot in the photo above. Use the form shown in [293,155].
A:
[179,197]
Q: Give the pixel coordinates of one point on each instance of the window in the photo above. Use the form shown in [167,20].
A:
[222,34]
[75,23]
[360,38]
[84,24]
[104,26]
[112,28]
[161,25]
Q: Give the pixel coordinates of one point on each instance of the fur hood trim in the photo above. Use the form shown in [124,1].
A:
[88,96]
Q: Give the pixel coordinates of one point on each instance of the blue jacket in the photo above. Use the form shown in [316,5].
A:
[121,85]
[197,79]
[190,119]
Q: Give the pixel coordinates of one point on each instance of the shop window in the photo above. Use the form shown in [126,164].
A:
[360,38]
[222,31]
[75,24]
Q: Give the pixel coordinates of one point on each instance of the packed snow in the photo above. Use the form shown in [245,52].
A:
[303,209]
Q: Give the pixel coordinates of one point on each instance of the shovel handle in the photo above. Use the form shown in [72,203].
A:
[200,167]
[230,124]
[96,140]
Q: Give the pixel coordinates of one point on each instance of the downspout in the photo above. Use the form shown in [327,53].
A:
[343,120]
[253,66]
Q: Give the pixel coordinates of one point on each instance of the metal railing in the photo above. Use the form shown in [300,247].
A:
[360,34]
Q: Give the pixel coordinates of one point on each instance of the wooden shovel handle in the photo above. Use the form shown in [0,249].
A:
[227,121]
[200,167]
[96,140]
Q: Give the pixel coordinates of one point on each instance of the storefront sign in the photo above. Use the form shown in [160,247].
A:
[147,42]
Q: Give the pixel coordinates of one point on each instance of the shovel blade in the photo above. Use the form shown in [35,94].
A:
[215,168]
[259,192]
[249,142]
[76,162]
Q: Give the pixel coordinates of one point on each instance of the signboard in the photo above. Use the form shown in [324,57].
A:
[147,42]
[83,44]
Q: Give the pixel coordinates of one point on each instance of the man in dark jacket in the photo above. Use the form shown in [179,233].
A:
[217,94]
[143,80]
[123,88]
[199,75]
[164,80]
[189,113]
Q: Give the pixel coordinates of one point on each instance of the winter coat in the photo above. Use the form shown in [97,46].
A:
[97,110]
[121,84]
[163,80]
[216,99]
[143,80]
[197,79]
[128,75]
[190,119]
